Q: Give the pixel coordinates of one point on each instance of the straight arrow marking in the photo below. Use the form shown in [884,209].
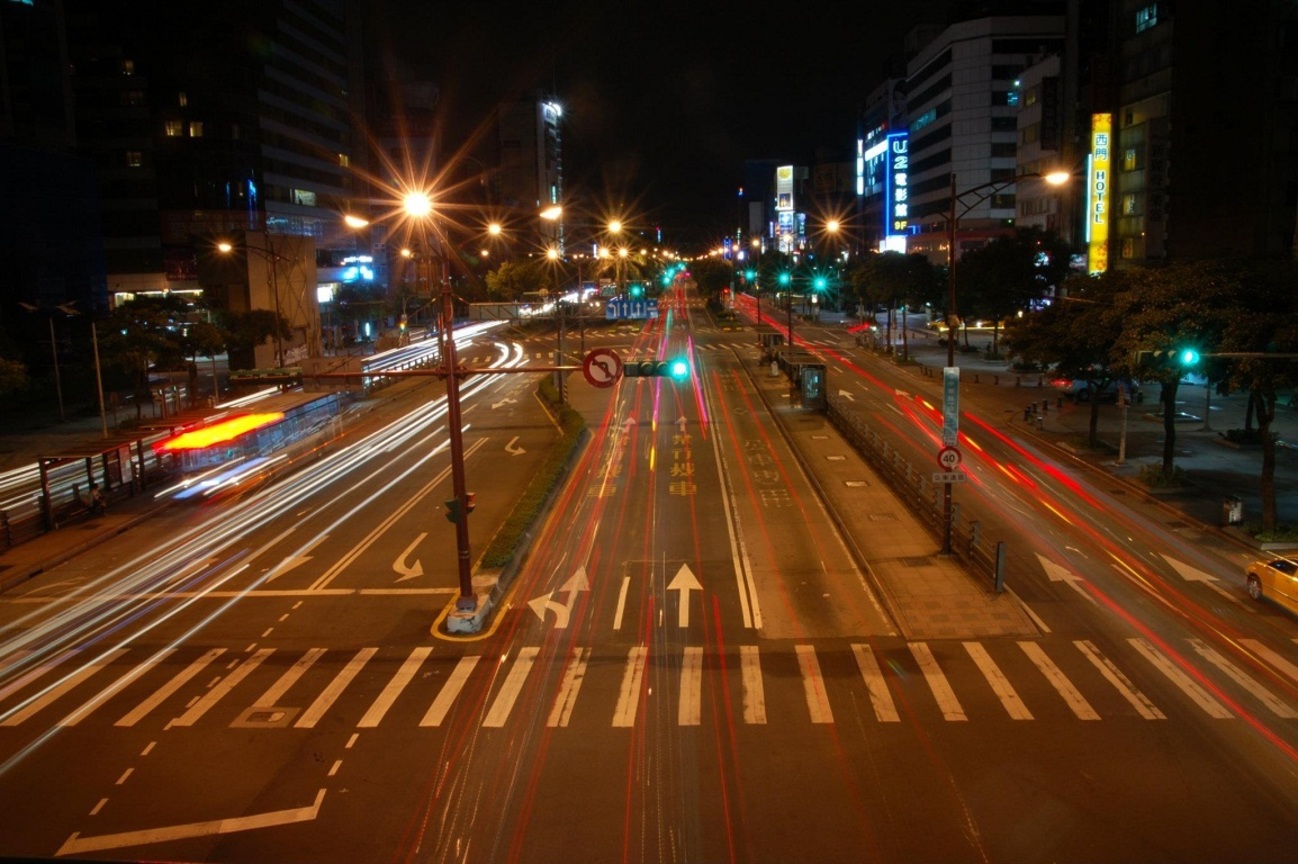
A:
[684,581]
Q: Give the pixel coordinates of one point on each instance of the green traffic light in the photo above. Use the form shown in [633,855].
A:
[749,274]
[679,370]
[821,283]
[785,278]
[1188,357]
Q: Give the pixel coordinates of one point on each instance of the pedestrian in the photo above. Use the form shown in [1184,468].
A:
[98,504]
[1045,406]
[1027,413]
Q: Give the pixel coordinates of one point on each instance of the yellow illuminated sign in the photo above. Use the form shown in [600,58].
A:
[1098,197]
[220,433]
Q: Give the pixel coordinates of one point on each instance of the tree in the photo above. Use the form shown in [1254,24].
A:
[1258,327]
[1009,274]
[144,334]
[1162,310]
[1074,336]
[245,331]
[895,280]
[512,279]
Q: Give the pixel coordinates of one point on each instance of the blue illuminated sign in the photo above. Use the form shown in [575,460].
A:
[896,190]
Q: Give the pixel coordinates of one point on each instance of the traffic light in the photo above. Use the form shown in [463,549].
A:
[1168,357]
[750,275]
[455,510]
[785,278]
[820,283]
[678,369]
[637,289]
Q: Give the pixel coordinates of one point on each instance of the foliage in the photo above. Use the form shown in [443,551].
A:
[1155,476]
[13,377]
[512,279]
[712,275]
[245,331]
[142,334]
[1009,274]
[894,280]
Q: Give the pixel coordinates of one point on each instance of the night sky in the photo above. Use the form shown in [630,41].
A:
[663,101]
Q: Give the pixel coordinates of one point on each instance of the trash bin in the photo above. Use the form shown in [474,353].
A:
[1232,510]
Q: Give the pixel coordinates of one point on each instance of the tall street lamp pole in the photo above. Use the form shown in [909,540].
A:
[951,374]
[272,258]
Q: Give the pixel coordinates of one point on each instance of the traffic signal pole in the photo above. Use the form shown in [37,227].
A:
[468,600]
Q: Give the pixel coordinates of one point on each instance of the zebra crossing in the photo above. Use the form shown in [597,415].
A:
[948,682]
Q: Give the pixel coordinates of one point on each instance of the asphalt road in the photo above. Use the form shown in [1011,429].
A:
[690,664]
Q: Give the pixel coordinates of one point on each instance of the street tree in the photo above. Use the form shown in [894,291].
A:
[1258,332]
[141,335]
[1162,310]
[895,281]
[1009,275]
[1074,336]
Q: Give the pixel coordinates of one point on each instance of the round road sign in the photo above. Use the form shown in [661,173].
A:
[948,458]
[602,367]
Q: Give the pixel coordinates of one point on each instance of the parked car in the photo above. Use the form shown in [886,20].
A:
[1274,579]
[1079,390]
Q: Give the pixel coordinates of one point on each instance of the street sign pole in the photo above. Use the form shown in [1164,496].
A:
[950,434]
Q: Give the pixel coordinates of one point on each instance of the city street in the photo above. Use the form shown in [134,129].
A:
[717,647]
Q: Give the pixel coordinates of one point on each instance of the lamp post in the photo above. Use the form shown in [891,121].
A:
[66,309]
[272,258]
[951,374]
[419,206]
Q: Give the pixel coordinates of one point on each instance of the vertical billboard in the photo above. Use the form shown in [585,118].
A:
[1097,195]
[896,193]
[785,239]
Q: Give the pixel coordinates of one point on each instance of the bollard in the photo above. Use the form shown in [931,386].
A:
[1027,413]
[999,577]
[1041,422]
[1045,406]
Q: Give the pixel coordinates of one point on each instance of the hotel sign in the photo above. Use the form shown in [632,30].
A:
[1097,224]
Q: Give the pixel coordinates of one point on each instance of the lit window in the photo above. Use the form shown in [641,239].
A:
[134,158]
[304,197]
[184,99]
[1146,17]
[1130,207]
[344,161]
[196,129]
[128,67]
[175,128]
[1129,159]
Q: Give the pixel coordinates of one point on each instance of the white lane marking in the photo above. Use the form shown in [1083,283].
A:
[271,697]
[77,844]
[53,693]
[166,690]
[750,665]
[690,710]
[999,683]
[937,682]
[748,605]
[885,709]
[223,687]
[628,699]
[508,695]
[1266,697]
[621,602]
[1120,682]
[31,676]
[813,685]
[1197,694]
[394,687]
[566,698]
[1072,697]
[327,697]
[450,690]
[103,696]
[1271,657]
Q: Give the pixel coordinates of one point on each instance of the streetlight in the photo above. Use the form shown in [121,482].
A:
[273,258]
[951,374]
[419,206]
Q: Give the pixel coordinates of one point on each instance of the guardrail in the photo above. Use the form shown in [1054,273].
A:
[923,497]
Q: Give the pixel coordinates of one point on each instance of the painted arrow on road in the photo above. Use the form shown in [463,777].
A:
[848,394]
[684,581]
[562,611]
[1060,573]
[295,560]
[513,450]
[508,400]
[409,571]
[1193,574]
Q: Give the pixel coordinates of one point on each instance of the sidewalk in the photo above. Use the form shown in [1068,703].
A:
[1215,470]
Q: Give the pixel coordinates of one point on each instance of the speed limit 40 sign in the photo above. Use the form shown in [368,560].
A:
[949,458]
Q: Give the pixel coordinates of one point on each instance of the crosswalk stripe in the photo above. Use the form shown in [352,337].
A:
[689,711]
[884,708]
[32,675]
[223,687]
[750,666]
[629,696]
[508,695]
[1121,683]
[103,696]
[451,689]
[813,685]
[566,699]
[1271,657]
[999,683]
[63,687]
[271,697]
[1266,697]
[162,693]
[1072,697]
[394,687]
[937,682]
[1196,693]
[330,694]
